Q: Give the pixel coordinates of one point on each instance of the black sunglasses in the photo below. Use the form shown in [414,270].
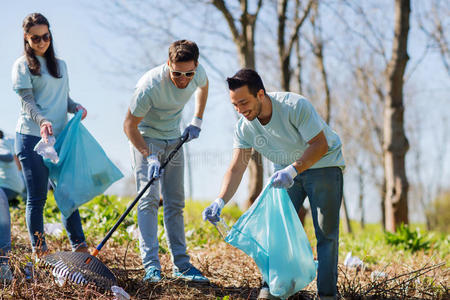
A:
[37,38]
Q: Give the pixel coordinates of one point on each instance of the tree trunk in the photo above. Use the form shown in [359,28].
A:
[346,220]
[244,40]
[318,52]
[255,166]
[361,194]
[395,141]
[326,86]
[383,202]
[299,67]
[285,74]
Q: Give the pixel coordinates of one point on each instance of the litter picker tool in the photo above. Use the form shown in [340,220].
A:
[84,268]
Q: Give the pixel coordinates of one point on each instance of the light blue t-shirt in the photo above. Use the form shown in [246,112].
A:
[9,173]
[161,103]
[285,138]
[50,94]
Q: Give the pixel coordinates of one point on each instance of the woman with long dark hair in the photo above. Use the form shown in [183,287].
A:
[40,79]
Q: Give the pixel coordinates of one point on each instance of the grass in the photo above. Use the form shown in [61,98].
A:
[233,275]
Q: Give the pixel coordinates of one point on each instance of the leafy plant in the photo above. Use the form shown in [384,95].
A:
[408,239]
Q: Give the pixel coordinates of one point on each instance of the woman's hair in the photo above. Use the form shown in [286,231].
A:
[33,63]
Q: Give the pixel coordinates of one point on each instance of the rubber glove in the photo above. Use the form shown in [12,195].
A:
[212,212]
[284,178]
[153,166]
[193,130]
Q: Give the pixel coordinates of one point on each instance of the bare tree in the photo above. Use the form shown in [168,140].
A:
[318,50]
[287,41]
[242,29]
[434,23]
[298,55]
[395,143]
[361,194]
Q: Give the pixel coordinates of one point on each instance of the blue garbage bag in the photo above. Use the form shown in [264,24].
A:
[83,170]
[271,233]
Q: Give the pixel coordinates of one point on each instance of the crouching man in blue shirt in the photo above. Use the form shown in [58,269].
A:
[286,129]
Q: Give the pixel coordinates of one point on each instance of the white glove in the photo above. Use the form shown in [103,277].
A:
[153,166]
[284,178]
[212,212]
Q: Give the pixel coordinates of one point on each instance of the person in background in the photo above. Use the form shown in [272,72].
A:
[11,185]
[152,125]
[14,203]
[41,81]
[307,159]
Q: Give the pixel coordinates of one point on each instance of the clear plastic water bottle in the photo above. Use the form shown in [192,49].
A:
[222,227]
[29,271]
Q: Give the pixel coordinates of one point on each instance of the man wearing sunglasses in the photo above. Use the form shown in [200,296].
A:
[152,125]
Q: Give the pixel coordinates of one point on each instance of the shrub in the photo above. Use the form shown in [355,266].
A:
[408,239]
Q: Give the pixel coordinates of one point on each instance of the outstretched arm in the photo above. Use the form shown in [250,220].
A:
[234,174]
[230,183]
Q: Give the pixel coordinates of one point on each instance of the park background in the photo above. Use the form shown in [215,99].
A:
[109,45]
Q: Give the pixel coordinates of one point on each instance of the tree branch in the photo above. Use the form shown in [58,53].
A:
[299,22]
[220,5]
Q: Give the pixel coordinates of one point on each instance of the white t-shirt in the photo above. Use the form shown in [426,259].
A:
[285,138]
[161,103]
[50,94]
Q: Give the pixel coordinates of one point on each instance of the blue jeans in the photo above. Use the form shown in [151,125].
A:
[5,222]
[323,187]
[172,186]
[36,181]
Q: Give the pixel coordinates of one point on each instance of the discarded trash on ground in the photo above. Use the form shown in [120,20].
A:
[55,229]
[119,293]
[377,275]
[353,261]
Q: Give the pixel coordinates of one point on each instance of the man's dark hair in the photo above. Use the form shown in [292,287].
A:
[183,50]
[247,77]
[1,134]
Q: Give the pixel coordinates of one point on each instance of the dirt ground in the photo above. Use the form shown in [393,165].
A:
[233,275]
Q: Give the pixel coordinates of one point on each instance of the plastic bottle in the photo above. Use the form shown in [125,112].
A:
[29,271]
[222,227]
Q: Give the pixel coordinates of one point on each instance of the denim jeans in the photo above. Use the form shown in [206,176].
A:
[323,187]
[36,181]
[172,186]
[5,222]
[5,226]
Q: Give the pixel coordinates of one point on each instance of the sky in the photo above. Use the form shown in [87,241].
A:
[81,41]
